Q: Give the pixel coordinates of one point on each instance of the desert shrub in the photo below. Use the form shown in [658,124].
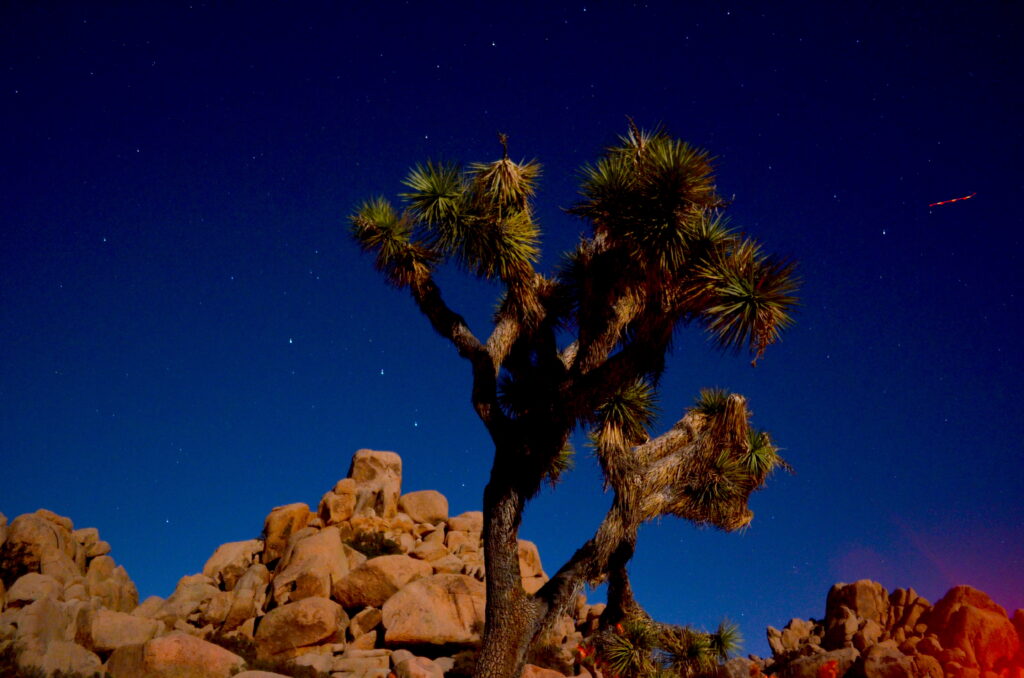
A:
[373,544]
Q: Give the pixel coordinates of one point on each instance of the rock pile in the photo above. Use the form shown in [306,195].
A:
[870,633]
[375,583]
[371,582]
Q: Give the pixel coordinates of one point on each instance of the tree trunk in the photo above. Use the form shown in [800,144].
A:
[512,615]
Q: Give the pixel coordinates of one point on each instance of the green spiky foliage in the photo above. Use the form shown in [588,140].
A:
[628,649]
[711,401]
[585,349]
[726,640]
[643,648]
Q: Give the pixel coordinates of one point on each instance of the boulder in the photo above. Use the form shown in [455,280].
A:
[321,663]
[429,551]
[339,504]
[740,667]
[279,525]
[840,628]
[813,666]
[176,655]
[248,597]
[61,655]
[230,561]
[448,565]
[111,584]
[955,598]
[43,621]
[869,633]
[314,564]
[437,610]
[880,661]
[986,637]
[534,671]
[418,667]
[109,630]
[865,598]
[376,580]
[470,521]
[364,622]
[37,543]
[926,666]
[424,506]
[31,587]
[378,477]
[149,608]
[190,593]
[299,624]
[795,634]
[529,560]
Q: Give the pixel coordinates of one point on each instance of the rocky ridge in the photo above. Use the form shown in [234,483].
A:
[375,583]
[368,583]
[868,632]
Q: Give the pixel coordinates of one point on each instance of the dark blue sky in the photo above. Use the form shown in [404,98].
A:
[189,337]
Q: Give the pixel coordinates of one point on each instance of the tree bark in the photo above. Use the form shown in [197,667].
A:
[512,615]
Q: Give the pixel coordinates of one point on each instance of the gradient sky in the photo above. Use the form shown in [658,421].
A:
[188,337]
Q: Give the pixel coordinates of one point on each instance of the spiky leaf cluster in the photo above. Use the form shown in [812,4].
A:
[734,460]
[659,238]
[643,648]
[481,218]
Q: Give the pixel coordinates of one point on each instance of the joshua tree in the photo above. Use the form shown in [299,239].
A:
[585,349]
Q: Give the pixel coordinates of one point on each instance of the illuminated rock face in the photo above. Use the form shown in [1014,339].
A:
[901,634]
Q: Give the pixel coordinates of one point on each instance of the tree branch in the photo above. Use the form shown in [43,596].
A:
[453,327]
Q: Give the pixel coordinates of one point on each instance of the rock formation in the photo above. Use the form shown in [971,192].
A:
[374,583]
[871,633]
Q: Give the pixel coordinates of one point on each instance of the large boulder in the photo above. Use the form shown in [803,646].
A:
[279,525]
[300,624]
[64,656]
[378,477]
[111,584]
[189,595]
[985,636]
[109,630]
[248,596]
[865,598]
[424,506]
[39,542]
[43,621]
[529,560]
[340,503]
[955,598]
[31,587]
[176,655]
[376,580]
[470,521]
[230,561]
[815,665]
[436,610]
[881,661]
[313,565]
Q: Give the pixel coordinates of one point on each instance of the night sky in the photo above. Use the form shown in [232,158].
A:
[189,337]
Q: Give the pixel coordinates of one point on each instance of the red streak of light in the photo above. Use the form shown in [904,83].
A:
[946,202]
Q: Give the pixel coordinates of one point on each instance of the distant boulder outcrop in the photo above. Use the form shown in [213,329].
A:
[871,633]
